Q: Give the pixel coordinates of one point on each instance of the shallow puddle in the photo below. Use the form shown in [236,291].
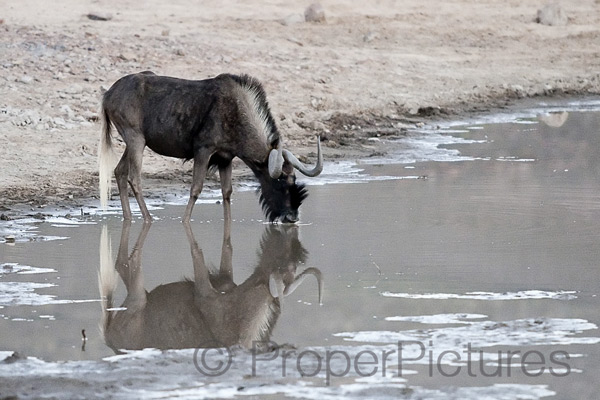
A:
[463,264]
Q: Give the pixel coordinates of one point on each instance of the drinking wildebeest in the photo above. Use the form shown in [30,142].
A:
[209,121]
[209,311]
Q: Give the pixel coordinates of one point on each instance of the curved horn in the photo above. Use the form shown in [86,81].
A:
[300,278]
[276,288]
[276,162]
[301,167]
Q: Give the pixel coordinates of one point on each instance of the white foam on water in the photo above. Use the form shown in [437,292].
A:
[144,354]
[483,334]
[346,172]
[490,296]
[438,319]
[23,293]
[172,374]
[64,221]
[526,116]
[515,159]
[423,146]
[15,268]
[24,230]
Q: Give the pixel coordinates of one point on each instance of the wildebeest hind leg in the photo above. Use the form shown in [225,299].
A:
[135,176]
[121,175]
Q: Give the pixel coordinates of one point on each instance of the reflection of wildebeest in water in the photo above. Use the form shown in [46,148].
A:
[211,310]
[209,121]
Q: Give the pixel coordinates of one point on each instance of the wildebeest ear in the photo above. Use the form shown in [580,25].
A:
[288,168]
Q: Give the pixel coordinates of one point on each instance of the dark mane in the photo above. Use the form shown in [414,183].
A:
[274,195]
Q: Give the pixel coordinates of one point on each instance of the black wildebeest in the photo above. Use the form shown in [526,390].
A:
[208,311]
[209,121]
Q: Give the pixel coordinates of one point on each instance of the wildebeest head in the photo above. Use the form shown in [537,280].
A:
[281,196]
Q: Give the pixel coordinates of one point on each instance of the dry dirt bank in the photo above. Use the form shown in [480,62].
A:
[385,65]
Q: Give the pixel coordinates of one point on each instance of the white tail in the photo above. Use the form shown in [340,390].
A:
[107,276]
[106,160]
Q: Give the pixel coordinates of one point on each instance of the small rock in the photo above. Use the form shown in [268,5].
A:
[292,19]
[316,126]
[370,36]
[74,89]
[517,88]
[26,79]
[9,239]
[314,13]
[90,115]
[552,15]
[165,32]
[296,41]
[100,16]
[127,56]
[58,121]
[67,110]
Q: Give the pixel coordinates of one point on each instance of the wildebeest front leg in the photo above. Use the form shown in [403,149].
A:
[226,250]
[202,284]
[201,160]
[226,190]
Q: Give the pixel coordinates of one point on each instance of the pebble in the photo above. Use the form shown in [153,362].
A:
[67,110]
[316,126]
[552,15]
[314,13]
[59,121]
[127,56]
[74,89]
[26,79]
[100,16]
[292,19]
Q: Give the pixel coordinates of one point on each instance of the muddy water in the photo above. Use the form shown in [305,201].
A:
[480,238]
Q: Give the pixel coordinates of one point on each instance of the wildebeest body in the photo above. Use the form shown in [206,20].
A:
[210,121]
[176,120]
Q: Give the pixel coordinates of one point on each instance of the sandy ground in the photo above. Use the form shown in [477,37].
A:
[369,69]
